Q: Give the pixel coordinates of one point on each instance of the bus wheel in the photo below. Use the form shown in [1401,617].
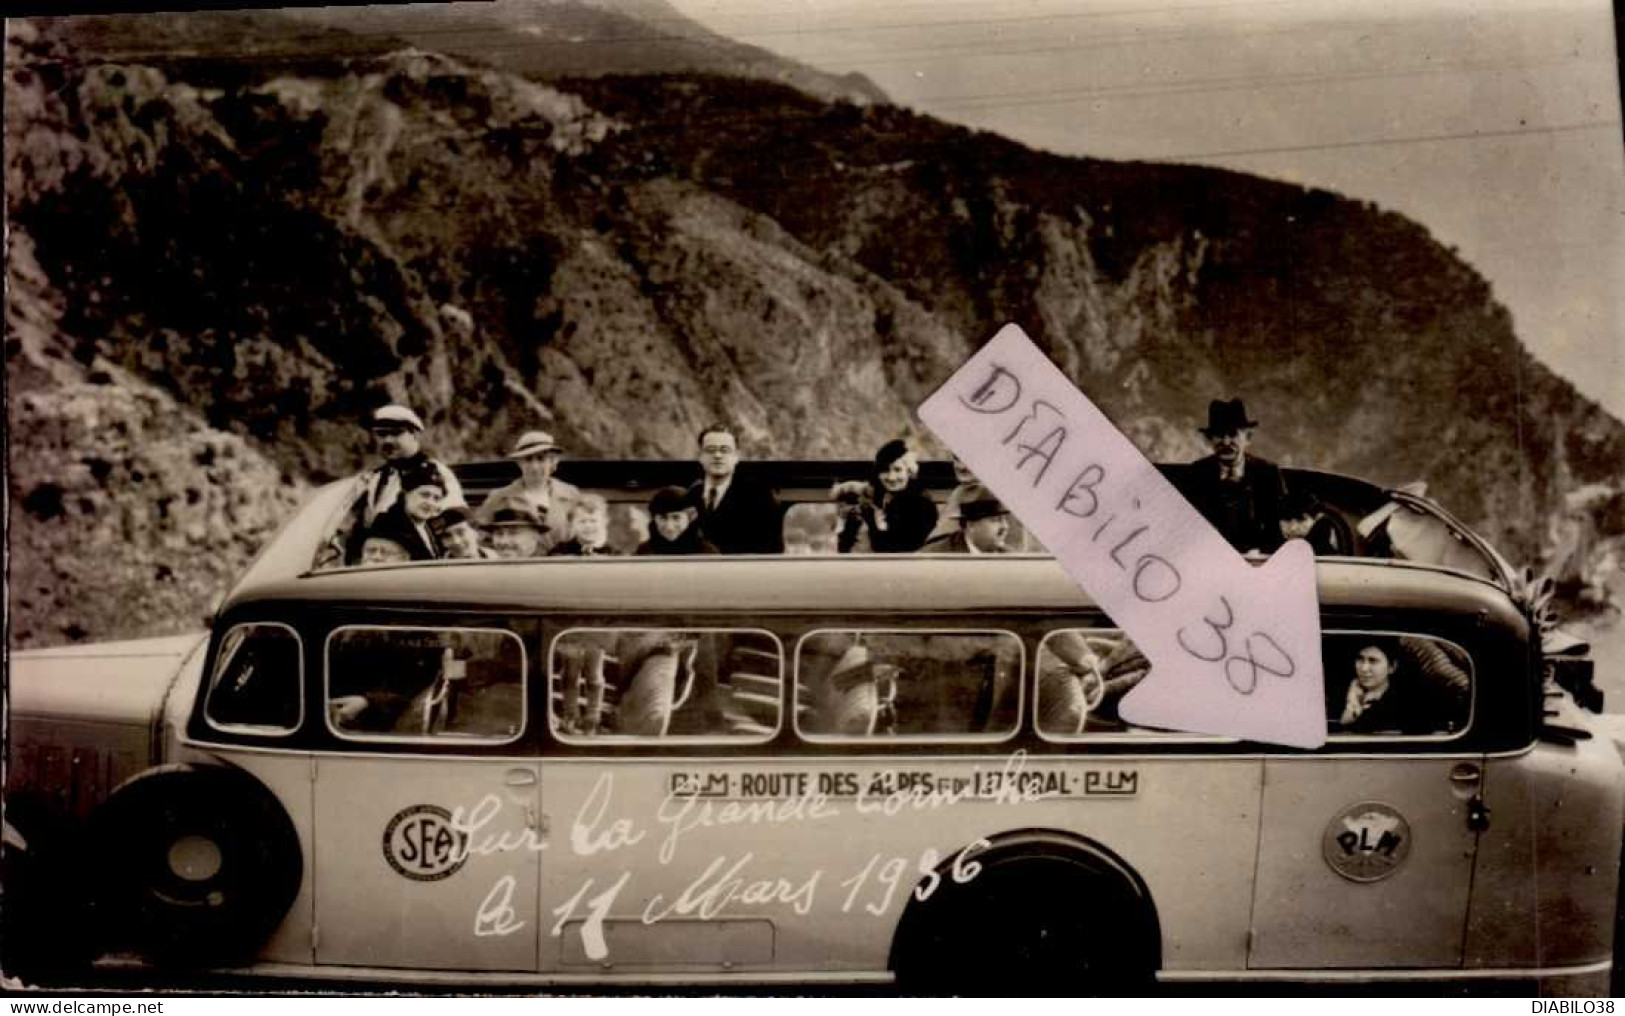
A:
[199,864]
[1039,918]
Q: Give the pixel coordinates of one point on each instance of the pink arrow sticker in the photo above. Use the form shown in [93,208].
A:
[1234,648]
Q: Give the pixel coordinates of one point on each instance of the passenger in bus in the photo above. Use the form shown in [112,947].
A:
[589,530]
[407,522]
[517,533]
[397,434]
[1082,678]
[896,514]
[673,526]
[736,515]
[459,537]
[948,521]
[1303,517]
[1240,494]
[984,525]
[657,674]
[1371,705]
[853,695]
[381,548]
[537,490]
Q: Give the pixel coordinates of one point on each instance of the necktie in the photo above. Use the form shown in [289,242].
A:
[711,500]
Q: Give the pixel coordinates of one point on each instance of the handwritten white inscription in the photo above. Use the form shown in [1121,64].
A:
[732,882]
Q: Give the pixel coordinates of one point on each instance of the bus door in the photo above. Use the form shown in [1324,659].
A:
[426,856]
[1366,852]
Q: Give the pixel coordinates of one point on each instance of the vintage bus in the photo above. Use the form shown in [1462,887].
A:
[813,769]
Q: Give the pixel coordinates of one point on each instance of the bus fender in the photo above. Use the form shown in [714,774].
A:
[1060,910]
[197,864]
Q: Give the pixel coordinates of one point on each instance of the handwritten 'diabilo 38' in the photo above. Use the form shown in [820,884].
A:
[1234,649]
[733,881]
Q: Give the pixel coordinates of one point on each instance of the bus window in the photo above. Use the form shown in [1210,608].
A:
[417,683]
[665,683]
[258,683]
[908,685]
[1393,683]
[1083,673]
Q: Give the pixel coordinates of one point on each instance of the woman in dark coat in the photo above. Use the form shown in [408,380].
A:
[896,513]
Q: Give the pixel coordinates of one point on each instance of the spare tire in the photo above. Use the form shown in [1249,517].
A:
[198,864]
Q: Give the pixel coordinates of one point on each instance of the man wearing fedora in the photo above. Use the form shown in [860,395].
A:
[984,524]
[397,435]
[537,491]
[1240,494]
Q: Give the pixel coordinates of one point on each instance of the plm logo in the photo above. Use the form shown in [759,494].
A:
[1367,842]
[421,843]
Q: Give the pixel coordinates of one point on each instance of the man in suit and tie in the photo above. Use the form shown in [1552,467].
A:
[1240,494]
[736,515]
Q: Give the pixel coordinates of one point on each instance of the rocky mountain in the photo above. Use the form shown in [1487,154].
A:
[215,267]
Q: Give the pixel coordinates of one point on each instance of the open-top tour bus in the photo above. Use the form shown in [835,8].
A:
[808,768]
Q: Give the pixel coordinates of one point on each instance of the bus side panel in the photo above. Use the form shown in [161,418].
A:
[1544,889]
[823,891]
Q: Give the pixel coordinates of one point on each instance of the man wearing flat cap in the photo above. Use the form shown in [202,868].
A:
[984,524]
[396,433]
[537,491]
[1240,494]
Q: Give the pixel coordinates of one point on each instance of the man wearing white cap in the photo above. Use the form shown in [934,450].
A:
[537,491]
[397,435]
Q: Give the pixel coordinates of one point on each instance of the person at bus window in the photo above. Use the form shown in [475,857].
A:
[537,490]
[422,498]
[1371,704]
[898,515]
[382,548]
[672,526]
[984,525]
[948,521]
[735,515]
[396,433]
[589,529]
[517,533]
[1239,493]
[459,537]
[1303,517]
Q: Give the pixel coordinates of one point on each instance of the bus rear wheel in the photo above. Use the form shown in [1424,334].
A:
[1039,920]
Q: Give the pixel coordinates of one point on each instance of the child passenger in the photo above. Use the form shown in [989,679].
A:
[589,529]
[671,526]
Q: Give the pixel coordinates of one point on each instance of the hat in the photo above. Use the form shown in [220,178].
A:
[889,452]
[423,474]
[851,668]
[667,500]
[979,503]
[533,442]
[515,516]
[394,417]
[1227,417]
[450,517]
[1299,503]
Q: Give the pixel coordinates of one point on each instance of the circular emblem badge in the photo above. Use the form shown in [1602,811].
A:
[1367,842]
[421,843]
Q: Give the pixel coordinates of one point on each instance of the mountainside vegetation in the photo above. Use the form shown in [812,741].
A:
[216,267]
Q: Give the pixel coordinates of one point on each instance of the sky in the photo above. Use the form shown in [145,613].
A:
[1494,123]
